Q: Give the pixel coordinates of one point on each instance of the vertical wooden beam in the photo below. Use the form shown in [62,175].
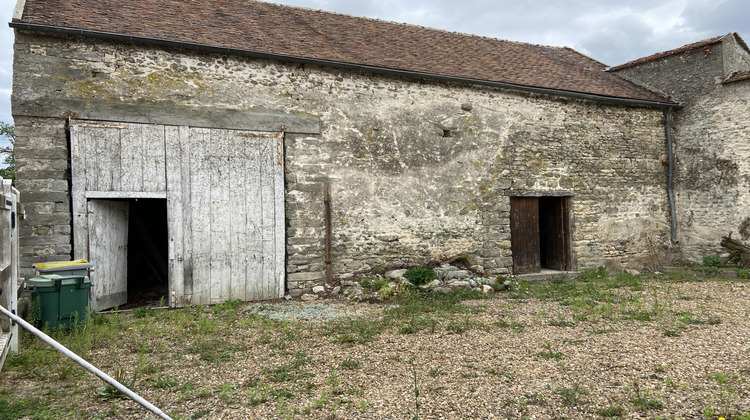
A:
[329,233]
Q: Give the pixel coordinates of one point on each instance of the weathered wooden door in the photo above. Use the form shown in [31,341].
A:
[108,248]
[553,225]
[524,234]
[227,188]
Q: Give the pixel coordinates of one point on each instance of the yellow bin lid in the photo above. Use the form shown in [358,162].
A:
[61,264]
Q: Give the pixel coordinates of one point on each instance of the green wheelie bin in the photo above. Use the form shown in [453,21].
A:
[60,301]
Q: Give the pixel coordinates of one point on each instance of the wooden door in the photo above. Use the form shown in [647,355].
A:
[108,252]
[553,225]
[227,189]
[524,234]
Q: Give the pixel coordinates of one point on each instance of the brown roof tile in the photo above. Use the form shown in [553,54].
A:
[268,28]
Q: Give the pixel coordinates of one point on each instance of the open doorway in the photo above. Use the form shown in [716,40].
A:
[148,275]
[540,233]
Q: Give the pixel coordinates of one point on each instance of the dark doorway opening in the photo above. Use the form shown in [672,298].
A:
[148,274]
[540,233]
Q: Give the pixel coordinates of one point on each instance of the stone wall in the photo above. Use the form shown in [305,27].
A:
[418,170]
[712,143]
[42,174]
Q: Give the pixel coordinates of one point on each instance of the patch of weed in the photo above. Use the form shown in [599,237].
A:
[669,332]
[560,322]
[614,410]
[358,330]
[350,363]
[290,372]
[643,400]
[143,312]
[550,354]
[571,394]
[463,324]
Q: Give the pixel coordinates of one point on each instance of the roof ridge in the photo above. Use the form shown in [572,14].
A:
[571,49]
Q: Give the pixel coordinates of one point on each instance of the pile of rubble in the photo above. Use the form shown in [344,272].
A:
[449,278]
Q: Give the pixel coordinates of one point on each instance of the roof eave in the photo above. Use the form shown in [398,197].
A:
[339,65]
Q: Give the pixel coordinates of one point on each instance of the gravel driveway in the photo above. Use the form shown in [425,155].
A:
[496,358]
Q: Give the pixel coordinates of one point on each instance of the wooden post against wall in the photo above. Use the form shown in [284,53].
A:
[329,233]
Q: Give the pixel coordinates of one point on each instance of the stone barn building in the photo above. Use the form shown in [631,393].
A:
[245,150]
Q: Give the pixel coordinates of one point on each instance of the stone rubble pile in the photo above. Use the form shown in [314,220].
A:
[449,278]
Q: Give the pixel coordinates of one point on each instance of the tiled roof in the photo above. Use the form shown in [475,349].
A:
[267,28]
[683,49]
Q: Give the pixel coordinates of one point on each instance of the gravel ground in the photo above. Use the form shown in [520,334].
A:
[512,359]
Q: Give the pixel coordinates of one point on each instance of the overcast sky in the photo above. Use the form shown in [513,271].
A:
[611,32]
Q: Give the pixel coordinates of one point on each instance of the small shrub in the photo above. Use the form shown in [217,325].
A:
[711,262]
[420,275]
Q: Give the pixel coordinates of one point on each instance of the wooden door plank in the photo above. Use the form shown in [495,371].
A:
[200,197]
[131,158]
[268,228]
[175,198]
[78,166]
[153,158]
[187,206]
[254,221]
[221,158]
[236,145]
[279,217]
[103,173]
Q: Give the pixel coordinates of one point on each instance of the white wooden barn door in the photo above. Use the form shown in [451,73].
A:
[108,248]
[227,187]
[225,207]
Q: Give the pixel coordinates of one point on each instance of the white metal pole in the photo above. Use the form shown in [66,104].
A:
[88,366]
